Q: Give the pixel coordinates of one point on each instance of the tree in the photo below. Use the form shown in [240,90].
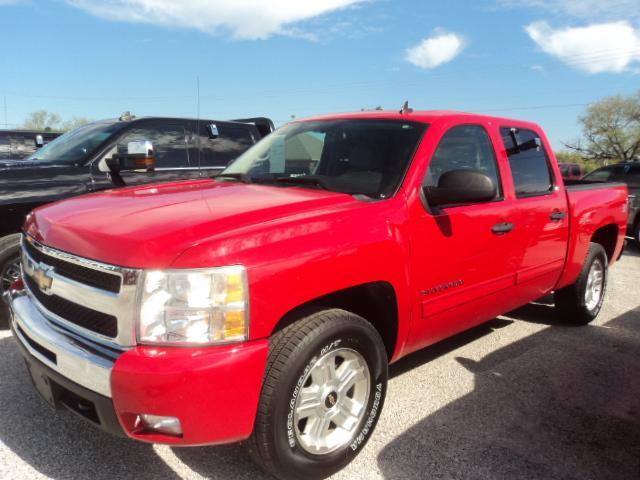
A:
[48,121]
[74,123]
[42,120]
[611,130]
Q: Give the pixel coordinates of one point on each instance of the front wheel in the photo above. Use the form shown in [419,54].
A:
[580,303]
[323,391]
[9,269]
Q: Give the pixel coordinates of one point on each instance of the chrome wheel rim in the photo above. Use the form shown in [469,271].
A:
[595,285]
[332,401]
[9,274]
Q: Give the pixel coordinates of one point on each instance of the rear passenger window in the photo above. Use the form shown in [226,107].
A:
[528,161]
[465,147]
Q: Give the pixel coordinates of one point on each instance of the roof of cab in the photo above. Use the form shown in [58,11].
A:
[424,116]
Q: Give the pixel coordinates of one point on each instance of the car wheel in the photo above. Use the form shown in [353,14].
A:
[636,233]
[324,388]
[580,303]
[9,269]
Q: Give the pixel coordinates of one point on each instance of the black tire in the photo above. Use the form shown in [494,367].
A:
[275,445]
[636,233]
[570,301]
[9,254]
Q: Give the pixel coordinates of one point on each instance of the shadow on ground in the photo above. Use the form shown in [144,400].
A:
[560,404]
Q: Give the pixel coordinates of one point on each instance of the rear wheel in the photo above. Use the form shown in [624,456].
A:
[323,391]
[580,303]
[636,233]
[9,268]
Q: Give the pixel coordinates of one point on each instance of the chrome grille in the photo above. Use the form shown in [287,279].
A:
[78,293]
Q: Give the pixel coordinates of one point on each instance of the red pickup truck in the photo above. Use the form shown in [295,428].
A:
[264,305]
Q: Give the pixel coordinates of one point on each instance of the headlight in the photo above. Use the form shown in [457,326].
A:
[194,306]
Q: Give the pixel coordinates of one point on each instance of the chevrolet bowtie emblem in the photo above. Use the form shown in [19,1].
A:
[41,278]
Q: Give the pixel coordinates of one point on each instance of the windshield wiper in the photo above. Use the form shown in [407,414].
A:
[243,177]
[305,180]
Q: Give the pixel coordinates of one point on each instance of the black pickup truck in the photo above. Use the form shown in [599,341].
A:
[628,173]
[19,144]
[79,162]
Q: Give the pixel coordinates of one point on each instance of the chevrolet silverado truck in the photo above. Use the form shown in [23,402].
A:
[75,163]
[265,304]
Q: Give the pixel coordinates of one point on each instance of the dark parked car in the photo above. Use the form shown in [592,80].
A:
[19,144]
[78,162]
[628,173]
[571,171]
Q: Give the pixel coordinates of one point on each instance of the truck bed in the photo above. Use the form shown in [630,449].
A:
[591,206]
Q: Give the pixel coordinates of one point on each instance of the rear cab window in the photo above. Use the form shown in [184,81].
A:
[528,161]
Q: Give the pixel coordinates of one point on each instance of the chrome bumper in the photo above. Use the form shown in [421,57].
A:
[43,341]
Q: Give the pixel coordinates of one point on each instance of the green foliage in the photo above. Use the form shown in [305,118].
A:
[52,122]
[610,130]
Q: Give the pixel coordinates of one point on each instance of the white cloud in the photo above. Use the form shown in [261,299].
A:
[435,51]
[604,47]
[603,10]
[244,19]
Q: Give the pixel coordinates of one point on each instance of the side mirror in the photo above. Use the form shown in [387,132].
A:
[459,187]
[139,157]
[39,141]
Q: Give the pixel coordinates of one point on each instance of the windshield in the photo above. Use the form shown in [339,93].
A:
[366,157]
[75,145]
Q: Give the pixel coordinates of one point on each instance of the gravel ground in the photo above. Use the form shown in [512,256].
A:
[521,397]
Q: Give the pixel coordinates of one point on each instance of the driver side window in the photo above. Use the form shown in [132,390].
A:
[465,147]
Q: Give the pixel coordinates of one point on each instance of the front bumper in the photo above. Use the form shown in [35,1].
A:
[214,391]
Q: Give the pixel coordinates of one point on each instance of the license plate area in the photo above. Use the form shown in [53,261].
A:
[43,385]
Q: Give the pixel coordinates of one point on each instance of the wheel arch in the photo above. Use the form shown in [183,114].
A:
[607,236]
[376,302]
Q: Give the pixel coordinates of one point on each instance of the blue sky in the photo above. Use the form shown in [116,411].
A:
[539,60]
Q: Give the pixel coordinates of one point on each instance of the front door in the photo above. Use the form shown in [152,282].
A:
[462,256]
[170,145]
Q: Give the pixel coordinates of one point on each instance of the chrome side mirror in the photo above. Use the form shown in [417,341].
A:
[39,141]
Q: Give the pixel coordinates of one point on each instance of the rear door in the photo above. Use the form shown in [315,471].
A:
[540,212]
[463,266]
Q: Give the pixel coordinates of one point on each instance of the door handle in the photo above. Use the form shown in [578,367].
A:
[502,228]
[557,215]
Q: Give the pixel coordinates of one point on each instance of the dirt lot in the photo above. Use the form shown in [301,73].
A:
[522,397]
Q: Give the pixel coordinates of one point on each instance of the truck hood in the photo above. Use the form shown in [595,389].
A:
[148,227]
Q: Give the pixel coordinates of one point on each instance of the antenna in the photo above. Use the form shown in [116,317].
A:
[6,122]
